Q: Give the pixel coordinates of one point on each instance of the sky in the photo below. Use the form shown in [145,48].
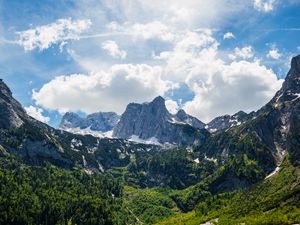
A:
[208,57]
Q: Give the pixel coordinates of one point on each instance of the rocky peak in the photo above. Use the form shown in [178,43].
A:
[292,81]
[12,115]
[153,121]
[158,106]
[70,120]
[227,121]
[182,116]
[290,91]
[295,64]
[4,90]
[100,121]
[159,101]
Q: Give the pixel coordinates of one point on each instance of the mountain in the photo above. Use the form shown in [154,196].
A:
[250,152]
[153,121]
[36,143]
[12,115]
[247,173]
[228,121]
[96,123]
[182,116]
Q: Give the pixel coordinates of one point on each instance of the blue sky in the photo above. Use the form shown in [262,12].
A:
[208,57]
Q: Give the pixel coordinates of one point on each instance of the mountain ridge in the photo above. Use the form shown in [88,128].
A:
[153,120]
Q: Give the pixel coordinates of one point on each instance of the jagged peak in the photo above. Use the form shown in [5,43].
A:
[12,114]
[291,85]
[158,100]
[295,64]
[4,89]
[71,115]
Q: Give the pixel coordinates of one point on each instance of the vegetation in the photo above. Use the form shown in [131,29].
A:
[149,205]
[274,201]
[174,168]
[49,195]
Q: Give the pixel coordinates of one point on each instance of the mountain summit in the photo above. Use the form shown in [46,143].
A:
[153,121]
[96,122]
[12,115]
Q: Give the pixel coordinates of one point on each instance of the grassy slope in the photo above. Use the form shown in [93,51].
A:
[274,201]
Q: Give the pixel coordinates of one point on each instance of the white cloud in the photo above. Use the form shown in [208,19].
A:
[219,87]
[183,52]
[274,53]
[154,29]
[172,106]
[42,37]
[113,49]
[264,5]
[242,53]
[37,113]
[108,90]
[241,85]
[228,35]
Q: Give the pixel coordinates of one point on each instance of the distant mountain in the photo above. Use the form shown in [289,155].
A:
[228,121]
[153,121]
[182,116]
[100,123]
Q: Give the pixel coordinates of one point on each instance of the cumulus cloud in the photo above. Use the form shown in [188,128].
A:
[228,35]
[37,113]
[109,90]
[182,52]
[274,53]
[219,87]
[264,5]
[42,37]
[232,87]
[172,106]
[113,49]
[242,53]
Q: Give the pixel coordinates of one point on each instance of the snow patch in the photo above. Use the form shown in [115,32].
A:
[150,141]
[84,161]
[88,131]
[273,173]
[210,159]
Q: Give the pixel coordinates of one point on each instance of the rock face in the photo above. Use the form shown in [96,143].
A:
[185,118]
[34,142]
[153,121]
[12,115]
[101,121]
[227,121]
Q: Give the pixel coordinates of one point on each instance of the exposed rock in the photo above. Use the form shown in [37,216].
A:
[153,120]
[228,121]
[193,121]
[12,115]
[101,121]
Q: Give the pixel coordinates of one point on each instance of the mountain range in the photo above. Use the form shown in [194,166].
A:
[204,174]
[150,123]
